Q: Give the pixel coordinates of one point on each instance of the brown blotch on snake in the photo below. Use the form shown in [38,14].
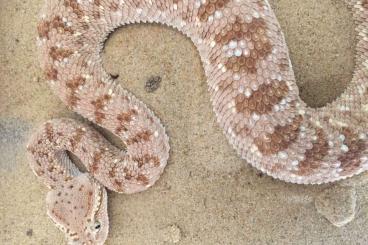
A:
[350,161]
[255,32]
[73,86]
[281,139]
[99,105]
[210,7]
[59,53]
[263,99]
[75,6]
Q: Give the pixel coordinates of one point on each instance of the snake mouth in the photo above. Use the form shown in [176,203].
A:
[100,225]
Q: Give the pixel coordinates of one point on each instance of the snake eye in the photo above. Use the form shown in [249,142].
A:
[97,226]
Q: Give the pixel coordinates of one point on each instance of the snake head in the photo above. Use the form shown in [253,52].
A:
[78,207]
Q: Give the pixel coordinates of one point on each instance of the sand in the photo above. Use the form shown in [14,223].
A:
[207,194]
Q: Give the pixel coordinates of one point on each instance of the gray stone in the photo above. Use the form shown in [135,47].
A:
[337,204]
[172,234]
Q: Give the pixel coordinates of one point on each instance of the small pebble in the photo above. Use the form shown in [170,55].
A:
[172,234]
[29,232]
[152,84]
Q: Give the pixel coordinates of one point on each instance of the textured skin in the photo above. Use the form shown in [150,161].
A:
[253,92]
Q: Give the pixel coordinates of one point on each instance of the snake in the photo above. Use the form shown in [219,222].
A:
[252,88]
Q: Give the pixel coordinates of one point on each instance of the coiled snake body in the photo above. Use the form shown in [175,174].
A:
[253,92]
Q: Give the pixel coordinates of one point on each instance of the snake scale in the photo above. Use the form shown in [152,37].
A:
[253,92]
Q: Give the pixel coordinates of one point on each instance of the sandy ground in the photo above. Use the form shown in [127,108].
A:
[207,195]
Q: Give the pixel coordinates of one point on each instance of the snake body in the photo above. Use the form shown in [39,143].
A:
[253,93]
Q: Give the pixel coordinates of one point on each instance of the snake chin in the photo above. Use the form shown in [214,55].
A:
[80,210]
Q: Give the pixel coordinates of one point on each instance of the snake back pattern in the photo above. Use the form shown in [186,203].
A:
[253,92]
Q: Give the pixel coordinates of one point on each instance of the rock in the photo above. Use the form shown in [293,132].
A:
[172,234]
[29,232]
[337,204]
[152,84]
